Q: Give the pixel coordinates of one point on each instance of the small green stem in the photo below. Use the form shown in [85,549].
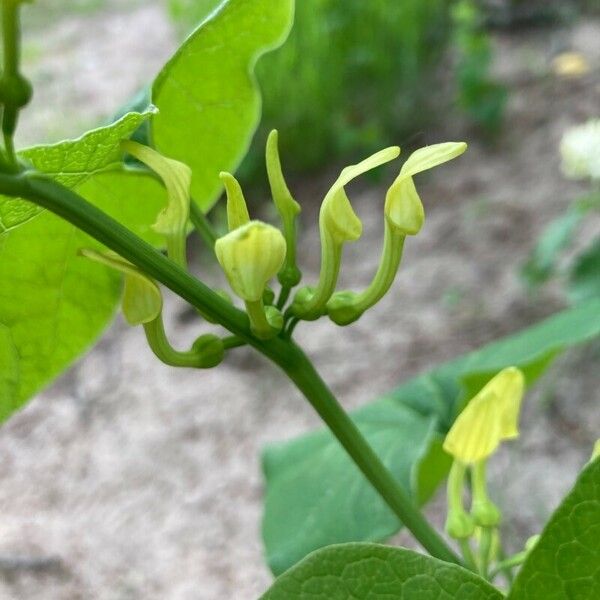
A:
[284,294]
[202,225]
[233,341]
[159,344]
[258,320]
[11,78]
[391,255]
[331,258]
[455,487]
[11,37]
[485,549]
[467,552]
[508,564]
[501,566]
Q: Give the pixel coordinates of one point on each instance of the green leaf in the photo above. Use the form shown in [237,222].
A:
[565,563]
[71,162]
[558,236]
[584,278]
[54,303]
[208,101]
[372,572]
[315,496]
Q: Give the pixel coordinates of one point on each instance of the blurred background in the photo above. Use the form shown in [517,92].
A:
[127,479]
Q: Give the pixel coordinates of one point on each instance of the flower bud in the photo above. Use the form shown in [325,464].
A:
[274,317]
[490,417]
[250,256]
[342,309]
[142,299]
[210,350]
[459,525]
[485,513]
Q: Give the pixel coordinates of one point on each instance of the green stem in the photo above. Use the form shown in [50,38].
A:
[233,341]
[289,357]
[507,565]
[202,225]
[10,37]
[67,204]
[284,294]
[331,258]
[467,552]
[159,344]
[301,371]
[485,549]
[502,566]
[391,255]
[258,320]
[176,250]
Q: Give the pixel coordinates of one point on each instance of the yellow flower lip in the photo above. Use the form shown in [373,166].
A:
[250,256]
[403,207]
[337,216]
[488,419]
[142,299]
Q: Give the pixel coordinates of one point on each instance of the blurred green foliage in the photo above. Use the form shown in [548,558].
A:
[478,94]
[580,274]
[353,75]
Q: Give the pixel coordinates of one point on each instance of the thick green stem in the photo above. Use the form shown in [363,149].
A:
[284,353]
[72,207]
[301,371]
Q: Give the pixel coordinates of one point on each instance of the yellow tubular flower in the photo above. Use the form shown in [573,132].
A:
[250,256]
[403,208]
[338,224]
[336,217]
[488,419]
[173,219]
[142,300]
[404,215]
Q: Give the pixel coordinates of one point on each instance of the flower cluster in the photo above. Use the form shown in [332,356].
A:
[251,253]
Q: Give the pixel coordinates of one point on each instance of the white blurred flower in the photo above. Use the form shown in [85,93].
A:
[580,150]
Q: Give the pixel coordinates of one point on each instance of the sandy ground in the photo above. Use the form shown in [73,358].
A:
[130,480]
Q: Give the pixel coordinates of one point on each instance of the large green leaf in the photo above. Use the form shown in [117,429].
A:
[54,304]
[374,572]
[209,104]
[316,496]
[565,563]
